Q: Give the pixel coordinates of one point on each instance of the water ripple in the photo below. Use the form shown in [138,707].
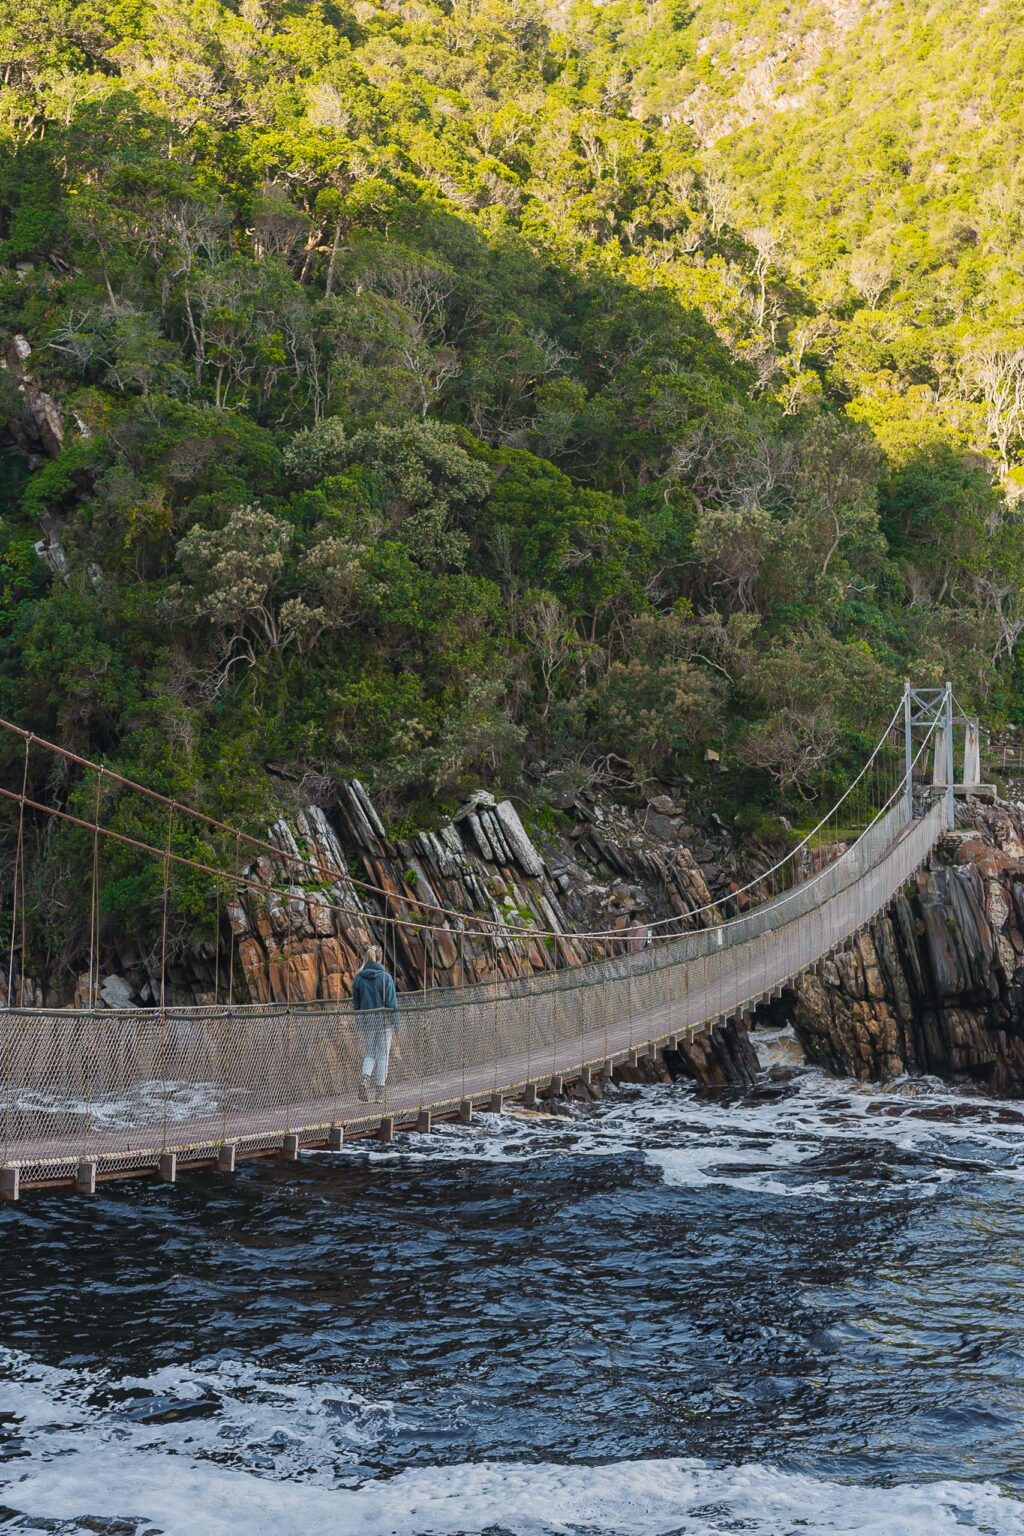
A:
[794,1309]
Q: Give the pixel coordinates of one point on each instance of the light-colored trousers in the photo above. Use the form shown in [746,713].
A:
[377,1038]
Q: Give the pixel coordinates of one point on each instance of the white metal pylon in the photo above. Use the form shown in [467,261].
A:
[930,710]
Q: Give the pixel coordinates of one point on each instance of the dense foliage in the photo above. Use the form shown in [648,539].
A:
[445,384]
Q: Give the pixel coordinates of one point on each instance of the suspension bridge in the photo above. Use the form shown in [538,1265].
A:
[91,1092]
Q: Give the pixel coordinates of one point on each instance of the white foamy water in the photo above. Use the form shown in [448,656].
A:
[273,1422]
[656,1498]
[778,1047]
[144,1103]
[793,1142]
[88,1464]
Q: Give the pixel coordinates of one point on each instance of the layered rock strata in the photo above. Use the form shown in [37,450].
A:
[936,984]
[301,922]
[309,942]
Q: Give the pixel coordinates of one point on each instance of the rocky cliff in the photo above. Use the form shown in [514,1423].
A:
[300,923]
[936,984]
[299,926]
[603,868]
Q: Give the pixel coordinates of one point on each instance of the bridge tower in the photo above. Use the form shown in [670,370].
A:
[929,710]
[934,712]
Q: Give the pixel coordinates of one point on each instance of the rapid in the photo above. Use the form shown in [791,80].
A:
[792,1311]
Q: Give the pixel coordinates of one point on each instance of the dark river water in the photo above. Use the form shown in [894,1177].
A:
[798,1310]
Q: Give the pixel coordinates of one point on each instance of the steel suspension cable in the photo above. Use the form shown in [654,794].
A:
[484,924]
[491,925]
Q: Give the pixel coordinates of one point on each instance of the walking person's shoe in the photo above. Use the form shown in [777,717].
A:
[380,1095]
[364,1091]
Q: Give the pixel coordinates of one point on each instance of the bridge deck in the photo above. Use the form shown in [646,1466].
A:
[125,1089]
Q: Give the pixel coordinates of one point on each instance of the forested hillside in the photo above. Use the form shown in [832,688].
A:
[413,390]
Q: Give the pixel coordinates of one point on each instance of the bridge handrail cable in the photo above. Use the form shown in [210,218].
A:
[486,926]
[670,950]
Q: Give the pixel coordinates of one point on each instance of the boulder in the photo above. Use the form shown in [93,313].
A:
[116,992]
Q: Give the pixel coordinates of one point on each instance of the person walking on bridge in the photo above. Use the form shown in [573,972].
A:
[376,1002]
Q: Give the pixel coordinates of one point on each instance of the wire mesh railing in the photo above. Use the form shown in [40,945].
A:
[124,1090]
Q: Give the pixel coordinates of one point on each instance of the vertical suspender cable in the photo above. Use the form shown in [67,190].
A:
[421,1031]
[529,1025]
[94,956]
[23,968]
[228,1023]
[216,951]
[163,969]
[221,1024]
[463,1010]
[288,1026]
[231,951]
[948,719]
[94,906]
[9,1023]
[18,866]
[494,1020]
[382,1032]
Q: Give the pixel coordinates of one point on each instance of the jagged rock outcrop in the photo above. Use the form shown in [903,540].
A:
[722,1058]
[38,429]
[936,985]
[309,943]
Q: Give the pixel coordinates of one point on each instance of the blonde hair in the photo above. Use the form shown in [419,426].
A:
[374,953]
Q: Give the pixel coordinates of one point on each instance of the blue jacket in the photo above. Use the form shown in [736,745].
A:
[374,987]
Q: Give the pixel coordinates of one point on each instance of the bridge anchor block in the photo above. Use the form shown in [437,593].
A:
[227,1153]
[167,1167]
[10,1183]
[335,1138]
